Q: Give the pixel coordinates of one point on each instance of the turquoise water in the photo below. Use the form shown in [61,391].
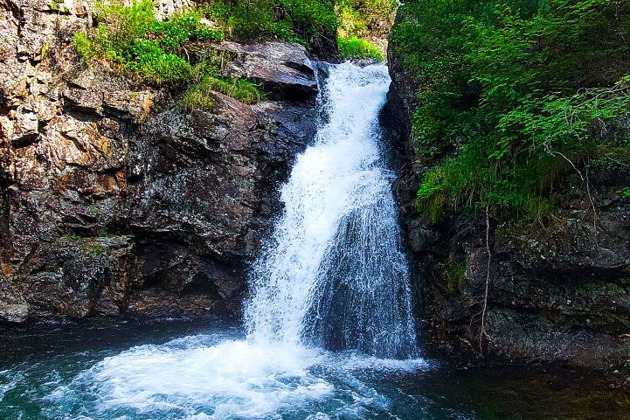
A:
[51,373]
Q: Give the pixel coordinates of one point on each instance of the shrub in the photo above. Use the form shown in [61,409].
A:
[303,21]
[84,46]
[358,17]
[356,48]
[515,95]
[132,39]
[146,59]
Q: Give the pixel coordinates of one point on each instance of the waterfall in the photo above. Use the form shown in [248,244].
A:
[333,274]
[332,277]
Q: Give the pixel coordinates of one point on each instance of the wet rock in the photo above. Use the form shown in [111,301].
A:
[282,69]
[207,190]
[536,338]
[78,276]
[13,306]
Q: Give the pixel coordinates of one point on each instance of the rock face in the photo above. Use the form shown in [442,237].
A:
[558,292]
[112,198]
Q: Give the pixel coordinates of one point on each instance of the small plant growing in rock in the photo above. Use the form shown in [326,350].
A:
[55,5]
[207,79]
[199,95]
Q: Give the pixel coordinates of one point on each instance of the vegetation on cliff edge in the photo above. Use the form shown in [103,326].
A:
[357,48]
[133,41]
[361,21]
[303,21]
[516,98]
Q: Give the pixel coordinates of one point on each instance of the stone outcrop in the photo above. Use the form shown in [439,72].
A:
[113,199]
[559,291]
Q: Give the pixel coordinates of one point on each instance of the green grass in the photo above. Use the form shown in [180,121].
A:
[135,42]
[200,95]
[357,48]
[517,97]
[360,17]
[303,21]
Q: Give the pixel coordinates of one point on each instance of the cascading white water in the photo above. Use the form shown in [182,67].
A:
[334,273]
[332,277]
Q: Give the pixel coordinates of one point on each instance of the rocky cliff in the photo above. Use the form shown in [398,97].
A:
[558,291]
[113,198]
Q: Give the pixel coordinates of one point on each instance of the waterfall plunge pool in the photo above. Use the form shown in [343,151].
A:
[106,371]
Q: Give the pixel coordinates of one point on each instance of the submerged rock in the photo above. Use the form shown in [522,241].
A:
[113,199]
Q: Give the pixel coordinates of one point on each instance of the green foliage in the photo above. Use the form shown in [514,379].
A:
[181,28]
[83,45]
[133,40]
[200,94]
[625,193]
[516,96]
[360,20]
[304,21]
[46,47]
[146,59]
[357,48]
[455,271]
[58,6]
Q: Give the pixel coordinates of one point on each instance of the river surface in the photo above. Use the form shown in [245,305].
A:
[328,330]
[40,367]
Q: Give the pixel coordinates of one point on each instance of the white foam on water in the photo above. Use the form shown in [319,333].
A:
[8,381]
[232,379]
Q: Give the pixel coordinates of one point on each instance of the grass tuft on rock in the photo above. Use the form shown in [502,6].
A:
[200,95]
